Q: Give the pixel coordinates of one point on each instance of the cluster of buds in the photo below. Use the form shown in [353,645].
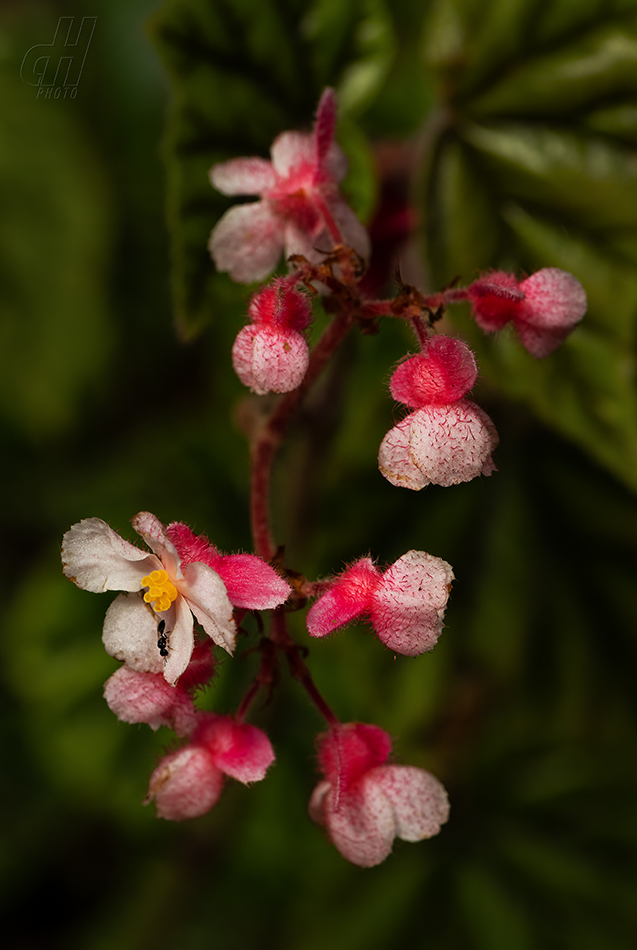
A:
[182,598]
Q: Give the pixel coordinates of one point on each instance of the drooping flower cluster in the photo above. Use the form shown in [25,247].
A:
[405,604]
[301,210]
[271,353]
[364,802]
[544,307]
[448,439]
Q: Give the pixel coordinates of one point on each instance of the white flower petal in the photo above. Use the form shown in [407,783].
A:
[247,242]
[130,634]
[362,824]
[208,599]
[243,176]
[97,559]
[181,640]
[395,461]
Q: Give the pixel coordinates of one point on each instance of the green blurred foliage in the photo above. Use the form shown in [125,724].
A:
[520,119]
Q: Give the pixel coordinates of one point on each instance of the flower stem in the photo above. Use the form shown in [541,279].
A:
[298,667]
[271,433]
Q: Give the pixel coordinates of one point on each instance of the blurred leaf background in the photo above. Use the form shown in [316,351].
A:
[512,126]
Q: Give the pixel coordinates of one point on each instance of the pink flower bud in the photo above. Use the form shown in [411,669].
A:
[365,803]
[444,372]
[136,696]
[544,308]
[405,604]
[187,783]
[270,358]
[440,445]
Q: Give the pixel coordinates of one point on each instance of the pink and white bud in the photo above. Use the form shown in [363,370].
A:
[444,372]
[146,697]
[439,445]
[365,803]
[544,308]
[187,783]
[405,604]
[270,359]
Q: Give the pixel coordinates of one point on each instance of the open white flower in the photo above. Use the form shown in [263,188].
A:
[97,559]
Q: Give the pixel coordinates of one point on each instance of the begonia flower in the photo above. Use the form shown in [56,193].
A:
[364,802]
[97,559]
[544,308]
[448,439]
[301,210]
[405,603]
[188,782]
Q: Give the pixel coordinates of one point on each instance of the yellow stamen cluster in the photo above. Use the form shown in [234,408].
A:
[161,590]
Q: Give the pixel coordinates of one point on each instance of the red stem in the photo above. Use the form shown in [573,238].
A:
[298,668]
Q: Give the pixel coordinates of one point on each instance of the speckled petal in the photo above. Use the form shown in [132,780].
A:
[395,461]
[418,799]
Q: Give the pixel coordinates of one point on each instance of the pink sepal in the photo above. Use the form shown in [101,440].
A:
[237,748]
[495,299]
[349,596]
[146,697]
[365,803]
[185,784]
[281,304]
[444,372]
[270,359]
[249,581]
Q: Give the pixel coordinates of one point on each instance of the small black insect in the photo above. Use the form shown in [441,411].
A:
[162,642]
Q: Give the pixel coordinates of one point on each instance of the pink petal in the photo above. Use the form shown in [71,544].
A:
[181,640]
[243,176]
[237,748]
[452,444]
[130,634]
[206,596]
[350,596]
[185,784]
[146,697]
[539,342]
[325,124]
[250,582]
[318,802]
[495,299]
[349,750]
[96,559]
[418,799]
[408,608]
[292,149]
[394,458]
[247,241]
[153,532]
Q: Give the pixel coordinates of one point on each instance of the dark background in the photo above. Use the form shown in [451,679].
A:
[510,130]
